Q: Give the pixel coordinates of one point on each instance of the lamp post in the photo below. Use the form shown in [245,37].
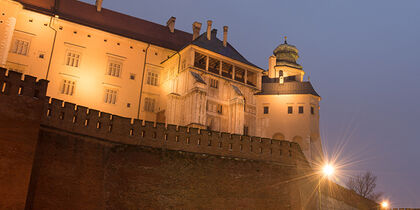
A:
[327,171]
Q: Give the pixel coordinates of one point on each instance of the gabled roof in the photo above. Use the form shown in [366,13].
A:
[111,21]
[216,45]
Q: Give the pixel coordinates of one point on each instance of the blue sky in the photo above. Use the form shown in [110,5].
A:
[362,58]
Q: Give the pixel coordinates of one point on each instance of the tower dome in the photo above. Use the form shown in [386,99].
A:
[287,54]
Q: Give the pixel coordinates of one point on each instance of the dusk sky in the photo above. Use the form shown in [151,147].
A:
[361,56]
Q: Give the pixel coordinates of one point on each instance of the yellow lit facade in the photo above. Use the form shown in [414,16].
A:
[205,84]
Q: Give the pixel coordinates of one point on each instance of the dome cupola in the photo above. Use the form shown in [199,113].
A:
[287,54]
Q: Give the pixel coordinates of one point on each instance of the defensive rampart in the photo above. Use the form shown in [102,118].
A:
[59,155]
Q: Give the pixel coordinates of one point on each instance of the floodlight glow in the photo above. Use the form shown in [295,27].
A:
[328,170]
[384,204]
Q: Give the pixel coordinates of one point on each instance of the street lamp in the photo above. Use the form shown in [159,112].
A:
[327,170]
[384,204]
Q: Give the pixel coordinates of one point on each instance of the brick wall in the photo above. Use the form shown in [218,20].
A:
[59,155]
[19,127]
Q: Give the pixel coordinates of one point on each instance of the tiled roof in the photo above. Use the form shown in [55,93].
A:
[130,27]
[112,22]
[271,86]
[216,45]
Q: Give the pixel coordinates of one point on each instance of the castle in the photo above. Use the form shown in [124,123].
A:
[134,68]
[139,115]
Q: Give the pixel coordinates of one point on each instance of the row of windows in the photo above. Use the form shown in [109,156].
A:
[266,110]
[114,68]
[225,69]
[110,95]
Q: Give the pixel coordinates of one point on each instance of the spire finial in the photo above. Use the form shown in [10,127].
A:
[285,39]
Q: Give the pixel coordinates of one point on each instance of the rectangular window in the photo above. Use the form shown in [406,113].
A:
[251,78]
[110,96]
[152,78]
[72,59]
[266,110]
[312,110]
[20,47]
[214,65]
[219,108]
[114,68]
[132,76]
[214,83]
[227,70]
[67,87]
[239,74]
[300,109]
[290,110]
[149,104]
[246,130]
[200,61]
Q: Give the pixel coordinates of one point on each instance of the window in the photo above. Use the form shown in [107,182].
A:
[219,108]
[246,130]
[110,96]
[132,76]
[214,65]
[114,68]
[266,110]
[72,59]
[149,104]
[239,74]
[20,47]
[200,60]
[251,78]
[290,110]
[67,87]
[300,109]
[152,78]
[214,83]
[227,70]
[312,110]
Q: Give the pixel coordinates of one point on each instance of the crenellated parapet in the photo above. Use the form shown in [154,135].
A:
[14,83]
[80,120]
[75,119]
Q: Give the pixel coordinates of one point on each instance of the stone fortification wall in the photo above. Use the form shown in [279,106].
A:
[20,105]
[58,155]
[90,122]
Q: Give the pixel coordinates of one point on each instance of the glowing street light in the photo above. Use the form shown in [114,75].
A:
[384,204]
[328,170]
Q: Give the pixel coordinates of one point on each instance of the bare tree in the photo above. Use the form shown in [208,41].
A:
[364,185]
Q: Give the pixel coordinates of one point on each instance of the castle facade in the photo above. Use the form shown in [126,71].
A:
[134,68]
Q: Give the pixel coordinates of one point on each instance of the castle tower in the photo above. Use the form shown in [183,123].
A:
[287,106]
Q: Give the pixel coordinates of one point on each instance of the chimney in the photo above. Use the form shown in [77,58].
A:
[209,22]
[214,33]
[171,24]
[196,29]
[98,5]
[225,30]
